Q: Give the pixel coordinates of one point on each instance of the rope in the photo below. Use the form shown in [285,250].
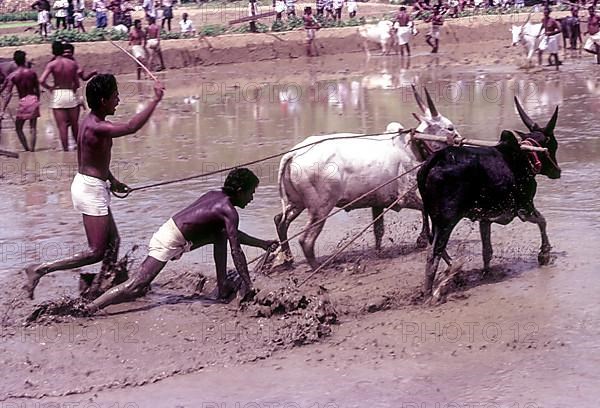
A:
[211,173]
[354,238]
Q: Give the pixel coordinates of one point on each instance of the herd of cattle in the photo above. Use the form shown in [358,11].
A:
[485,184]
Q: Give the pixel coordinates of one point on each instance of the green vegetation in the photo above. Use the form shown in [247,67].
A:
[20,16]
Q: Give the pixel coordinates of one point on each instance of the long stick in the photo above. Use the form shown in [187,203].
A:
[13,155]
[137,61]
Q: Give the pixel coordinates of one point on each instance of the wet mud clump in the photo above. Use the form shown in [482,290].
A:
[52,310]
[93,285]
[305,318]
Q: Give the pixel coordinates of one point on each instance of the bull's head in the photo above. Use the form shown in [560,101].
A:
[543,137]
[431,121]
[517,31]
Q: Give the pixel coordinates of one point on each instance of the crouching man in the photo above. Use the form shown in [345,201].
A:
[212,219]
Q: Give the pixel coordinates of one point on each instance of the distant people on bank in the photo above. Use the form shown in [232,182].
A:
[592,43]
[352,6]
[279,6]
[26,81]
[43,17]
[186,26]
[290,8]
[252,11]
[149,8]
[338,5]
[100,8]
[404,30]
[79,17]
[167,7]
[60,12]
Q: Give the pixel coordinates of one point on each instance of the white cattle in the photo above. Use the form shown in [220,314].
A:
[335,172]
[529,35]
[380,33]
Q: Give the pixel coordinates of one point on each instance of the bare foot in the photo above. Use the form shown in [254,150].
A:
[33,277]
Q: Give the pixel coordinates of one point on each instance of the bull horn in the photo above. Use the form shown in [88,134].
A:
[549,129]
[418,98]
[524,117]
[432,108]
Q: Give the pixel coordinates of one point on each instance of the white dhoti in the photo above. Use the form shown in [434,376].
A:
[153,44]
[63,99]
[43,17]
[549,44]
[435,31]
[138,51]
[90,195]
[591,42]
[404,34]
[168,243]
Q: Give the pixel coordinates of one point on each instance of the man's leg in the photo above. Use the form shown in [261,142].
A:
[19,128]
[97,229]
[33,128]
[73,117]
[160,57]
[134,287]
[62,122]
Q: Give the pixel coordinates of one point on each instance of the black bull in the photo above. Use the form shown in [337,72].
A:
[486,184]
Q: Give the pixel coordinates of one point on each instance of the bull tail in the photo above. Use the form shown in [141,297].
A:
[283,174]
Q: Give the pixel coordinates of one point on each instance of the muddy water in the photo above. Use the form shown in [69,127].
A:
[203,126]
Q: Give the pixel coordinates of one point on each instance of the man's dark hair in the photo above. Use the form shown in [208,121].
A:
[307,10]
[136,21]
[241,179]
[57,48]
[19,58]
[69,46]
[100,87]
[151,20]
[402,8]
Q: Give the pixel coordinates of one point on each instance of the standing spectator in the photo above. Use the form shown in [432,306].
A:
[149,9]
[337,9]
[99,7]
[117,10]
[167,6]
[252,11]
[320,4]
[153,42]
[329,10]
[186,25]
[79,16]
[290,6]
[60,12]
[311,26]
[592,43]
[70,15]
[279,9]
[352,8]
[43,9]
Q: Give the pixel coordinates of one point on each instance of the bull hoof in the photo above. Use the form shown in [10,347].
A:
[422,242]
[544,258]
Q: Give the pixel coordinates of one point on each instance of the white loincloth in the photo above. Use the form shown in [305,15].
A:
[590,43]
[549,44]
[404,33]
[138,51]
[435,31]
[43,17]
[168,243]
[153,43]
[90,195]
[63,99]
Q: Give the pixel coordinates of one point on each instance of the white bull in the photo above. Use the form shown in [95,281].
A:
[380,33]
[529,35]
[335,172]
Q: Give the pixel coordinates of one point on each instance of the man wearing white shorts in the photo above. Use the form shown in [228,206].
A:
[550,41]
[212,219]
[93,182]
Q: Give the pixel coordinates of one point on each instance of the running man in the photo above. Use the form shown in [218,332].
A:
[153,42]
[592,44]
[311,25]
[433,38]
[137,40]
[550,42]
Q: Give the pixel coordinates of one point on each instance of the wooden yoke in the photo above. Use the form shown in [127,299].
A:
[459,141]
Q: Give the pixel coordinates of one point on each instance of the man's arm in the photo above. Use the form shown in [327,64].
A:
[113,130]
[8,93]
[231,219]
[36,86]
[249,240]
[44,77]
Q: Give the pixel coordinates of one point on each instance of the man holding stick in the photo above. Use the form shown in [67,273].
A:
[94,181]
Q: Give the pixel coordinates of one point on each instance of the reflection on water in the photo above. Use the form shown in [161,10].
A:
[202,127]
